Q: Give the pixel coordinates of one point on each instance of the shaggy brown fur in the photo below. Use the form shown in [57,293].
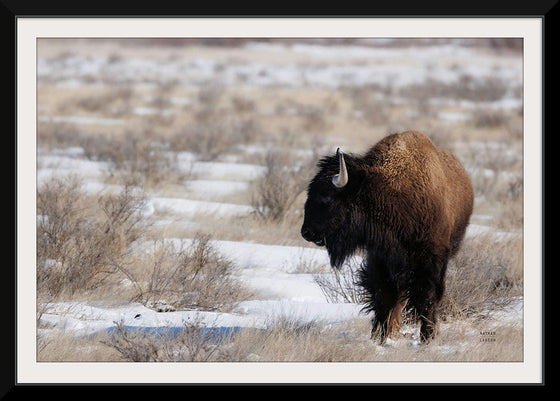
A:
[407,204]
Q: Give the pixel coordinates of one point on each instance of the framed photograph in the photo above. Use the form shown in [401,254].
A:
[226,200]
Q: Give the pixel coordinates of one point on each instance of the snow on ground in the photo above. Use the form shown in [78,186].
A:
[270,269]
[50,166]
[85,319]
[348,66]
[189,207]
[233,171]
[209,189]
[273,271]
[81,120]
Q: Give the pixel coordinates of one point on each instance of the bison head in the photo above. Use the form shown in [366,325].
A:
[333,207]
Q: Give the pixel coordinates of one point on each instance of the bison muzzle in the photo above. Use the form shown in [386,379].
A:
[406,204]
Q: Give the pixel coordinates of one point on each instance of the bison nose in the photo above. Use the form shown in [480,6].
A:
[305,234]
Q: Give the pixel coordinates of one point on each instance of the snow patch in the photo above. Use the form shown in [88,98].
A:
[189,207]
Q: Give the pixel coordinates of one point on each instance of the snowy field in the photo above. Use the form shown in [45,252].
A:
[285,88]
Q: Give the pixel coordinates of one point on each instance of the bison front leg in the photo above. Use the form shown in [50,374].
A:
[382,294]
[379,326]
[385,291]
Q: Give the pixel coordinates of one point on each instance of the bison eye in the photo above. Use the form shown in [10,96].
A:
[325,200]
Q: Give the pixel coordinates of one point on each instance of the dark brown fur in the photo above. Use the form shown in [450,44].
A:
[407,204]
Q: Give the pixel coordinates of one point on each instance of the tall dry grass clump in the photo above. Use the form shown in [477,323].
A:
[486,274]
[80,244]
[191,343]
[187,276]
[280,186]
[140,156]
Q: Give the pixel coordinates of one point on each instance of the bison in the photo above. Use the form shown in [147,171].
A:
[406,204]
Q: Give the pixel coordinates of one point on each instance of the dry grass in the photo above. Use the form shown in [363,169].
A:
[341,285]
[280,186]
[84,249]
[187,277]
[189,345]
[218,123]
[468,88]
[80,245]
[66,347]
[487,272]
[286,340]
[486,276]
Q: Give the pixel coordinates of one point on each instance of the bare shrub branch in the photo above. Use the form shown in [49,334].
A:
[279,187]
[79,246]
[486,272]
[341,285]
[133,346]
[188,344]
[192,277]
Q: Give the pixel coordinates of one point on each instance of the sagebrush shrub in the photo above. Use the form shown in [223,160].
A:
[80,244]
[279,187]
[487,273]
[190,276]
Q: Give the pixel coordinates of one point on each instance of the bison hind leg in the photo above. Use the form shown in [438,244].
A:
[395,317]
[379,298]
[425,301]
[387,321]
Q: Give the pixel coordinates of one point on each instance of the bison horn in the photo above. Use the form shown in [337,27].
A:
[341,179]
